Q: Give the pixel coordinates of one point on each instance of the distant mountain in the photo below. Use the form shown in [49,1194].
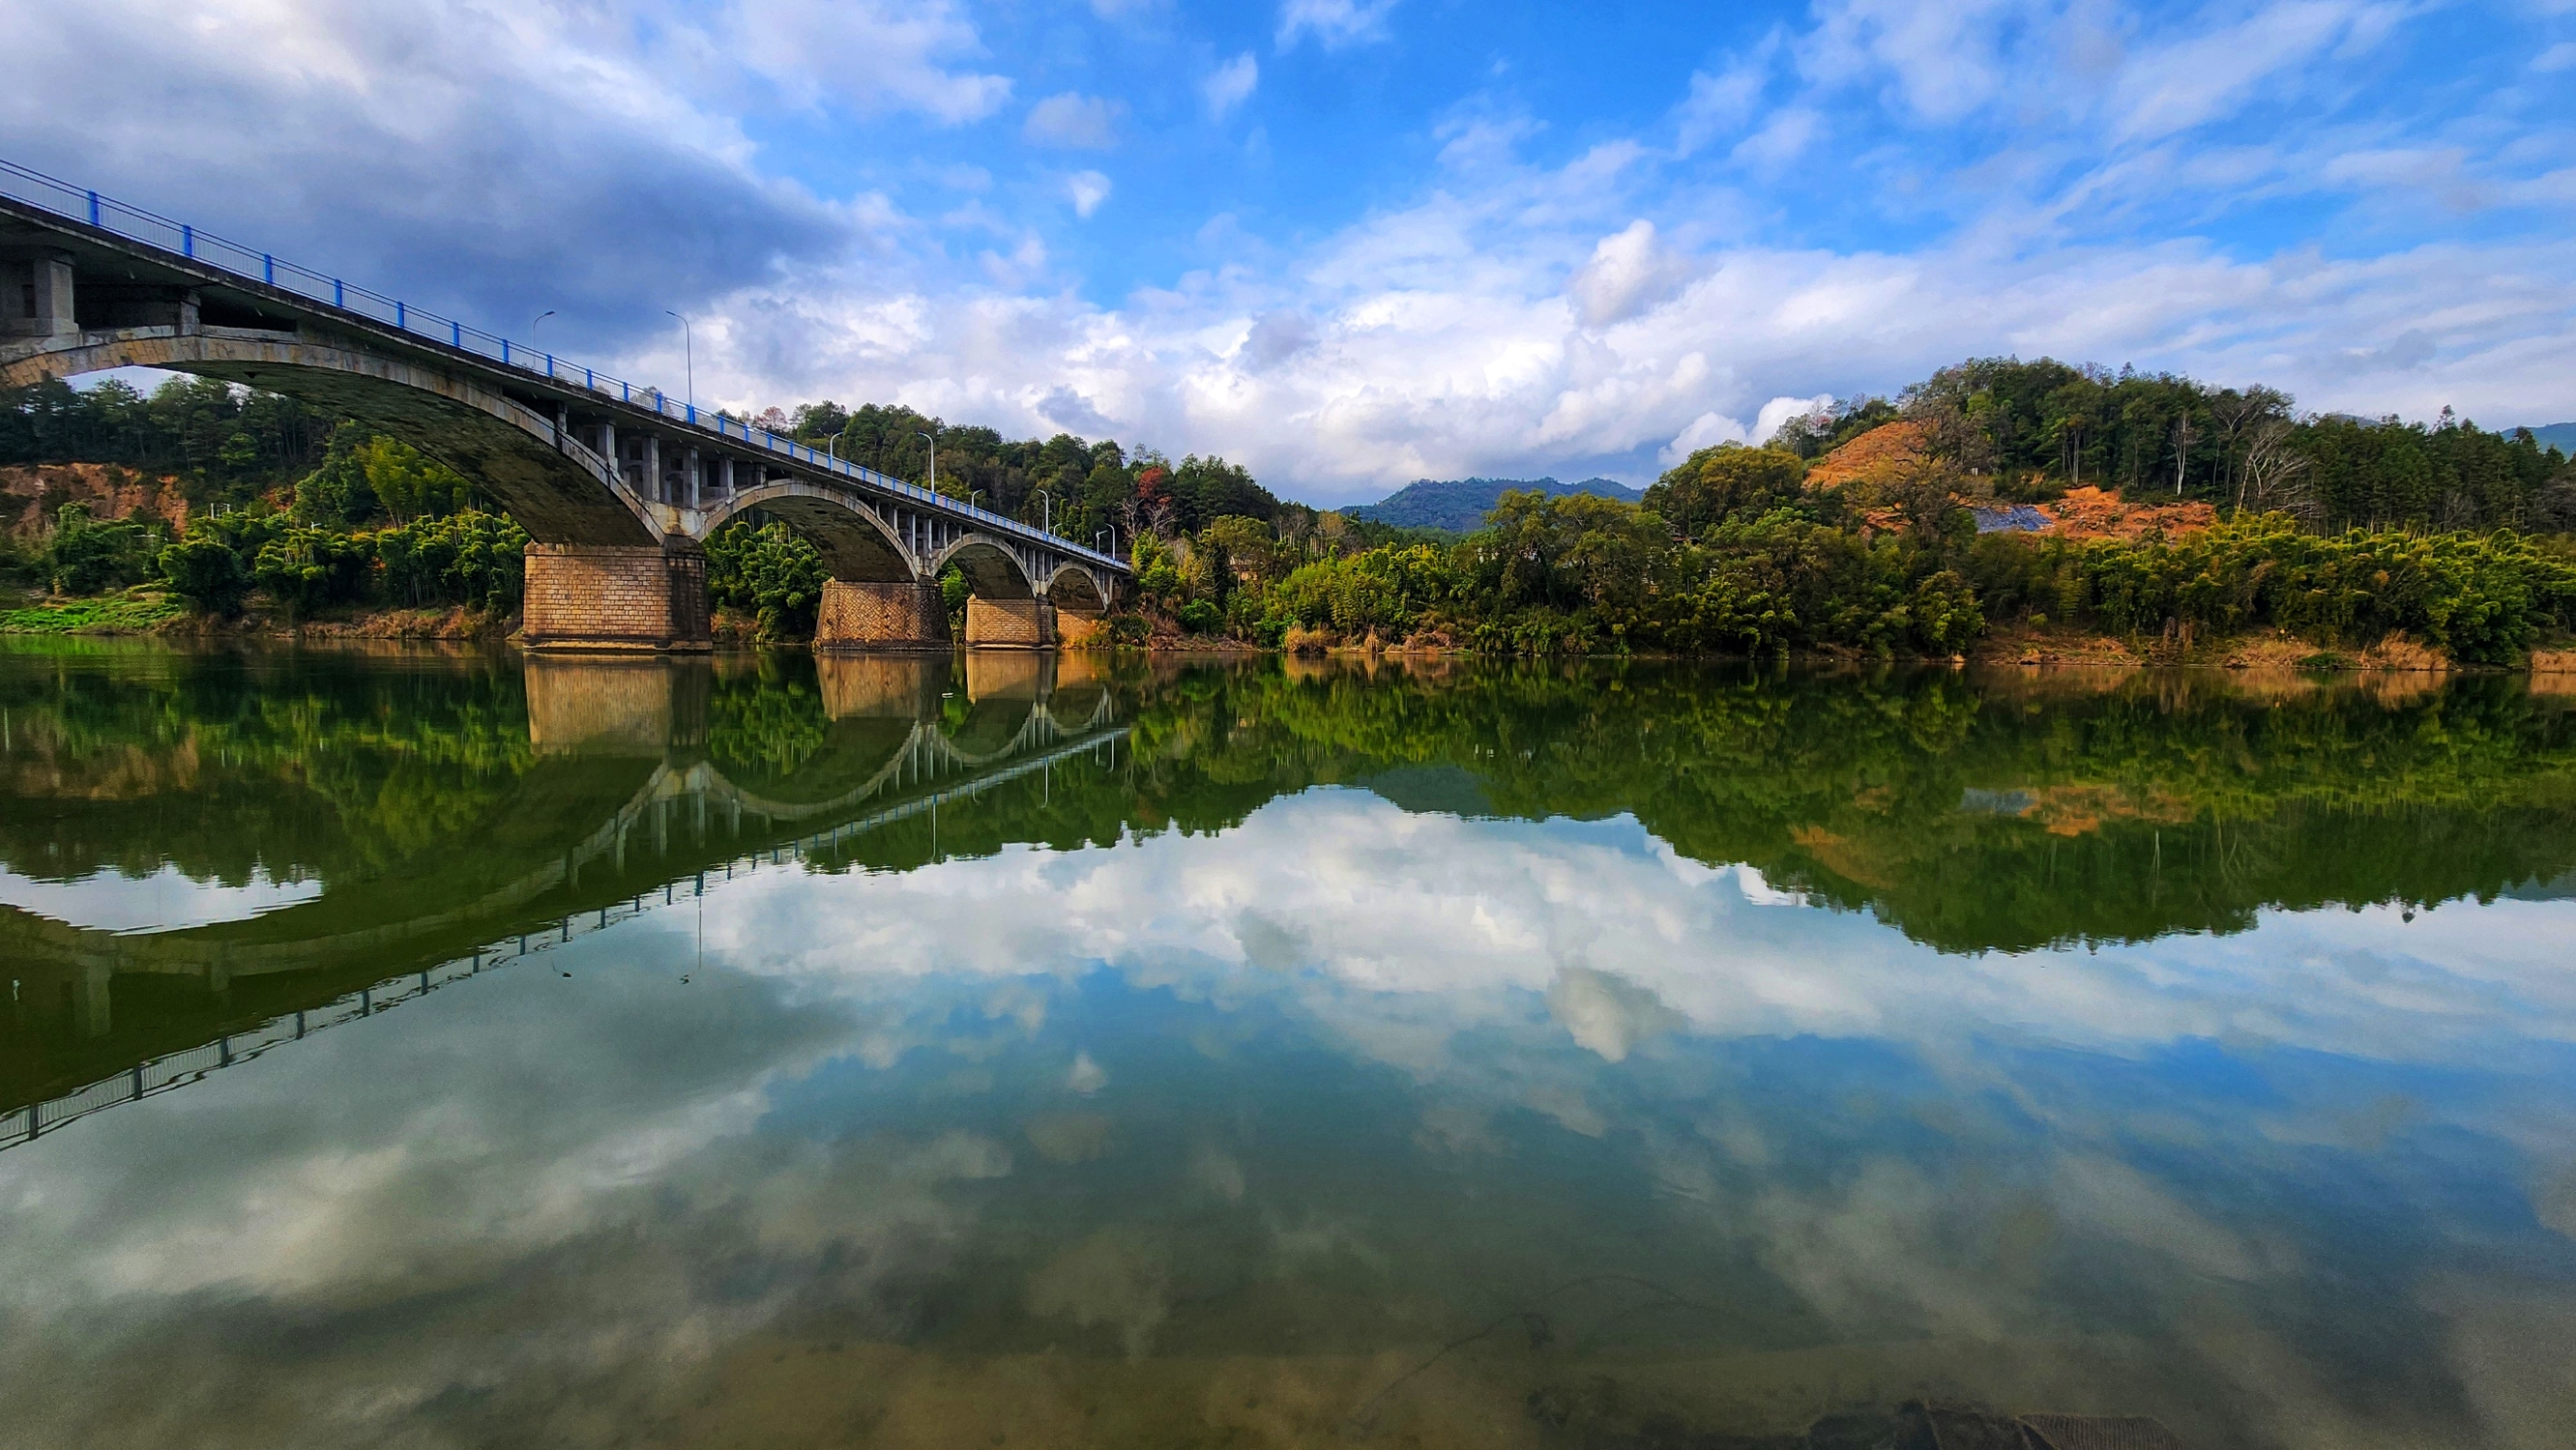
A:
[1460,505]
[2561,436]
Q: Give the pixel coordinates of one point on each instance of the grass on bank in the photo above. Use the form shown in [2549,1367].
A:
[132,611]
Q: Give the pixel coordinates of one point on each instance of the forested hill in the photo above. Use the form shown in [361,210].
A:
[1460,505]
[2561,436]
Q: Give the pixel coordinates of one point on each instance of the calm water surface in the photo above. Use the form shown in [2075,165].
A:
[405,1050]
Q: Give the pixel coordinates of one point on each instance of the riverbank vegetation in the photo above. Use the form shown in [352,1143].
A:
[1912,526]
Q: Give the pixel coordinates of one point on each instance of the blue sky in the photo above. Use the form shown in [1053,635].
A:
[1354,242]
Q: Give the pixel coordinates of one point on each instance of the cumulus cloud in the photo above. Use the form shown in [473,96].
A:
[1088,189]
[1589,312]
[1720,103]
[1075,121]
[1333,23]
[867,56]
[498,160]
[1627,274]
[1708,430]
[1230,85]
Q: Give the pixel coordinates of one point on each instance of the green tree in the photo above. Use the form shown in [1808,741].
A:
[1724,482]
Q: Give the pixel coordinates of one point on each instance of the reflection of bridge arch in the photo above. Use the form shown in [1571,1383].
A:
[95,956]
[927,765]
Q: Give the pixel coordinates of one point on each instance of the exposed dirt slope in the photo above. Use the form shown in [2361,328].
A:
[30,493]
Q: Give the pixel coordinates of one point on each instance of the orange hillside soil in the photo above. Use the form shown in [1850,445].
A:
[111,493]
[1875,456]
[2090,513]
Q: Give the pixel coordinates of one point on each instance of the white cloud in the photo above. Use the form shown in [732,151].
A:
[1705,431]
[2208,75]
[1333,23]
[1500,328]
[1075,121]
[1230,85]
[868,56]
[1514,316]
[1628,273]
[1088,190]
[1782,139]
[1943,61]
[1781,410]
[2559,57]
[1720,104]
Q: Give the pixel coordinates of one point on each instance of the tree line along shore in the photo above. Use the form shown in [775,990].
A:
[2002,508]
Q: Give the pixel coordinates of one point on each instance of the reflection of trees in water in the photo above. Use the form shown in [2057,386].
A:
[765,723]
[224,763]
[1973,812]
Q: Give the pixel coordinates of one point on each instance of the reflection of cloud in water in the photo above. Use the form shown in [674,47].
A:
[1375,1075]
[1376,901]
[167,899]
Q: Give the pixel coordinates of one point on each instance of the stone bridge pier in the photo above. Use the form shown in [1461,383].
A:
[615,598]
[900,616]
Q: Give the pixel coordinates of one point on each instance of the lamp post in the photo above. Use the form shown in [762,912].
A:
[1046,503]
[934,459]
[689,357]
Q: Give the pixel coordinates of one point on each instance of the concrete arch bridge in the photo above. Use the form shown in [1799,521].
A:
[617,484]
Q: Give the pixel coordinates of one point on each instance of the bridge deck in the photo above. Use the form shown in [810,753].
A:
[262,286]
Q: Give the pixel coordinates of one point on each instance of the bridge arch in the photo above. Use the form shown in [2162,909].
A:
[1077,590]
[552,484]
[992,567]
[856,545]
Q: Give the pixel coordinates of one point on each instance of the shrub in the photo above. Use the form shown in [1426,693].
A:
[206,573]
[309,569]
[90,556]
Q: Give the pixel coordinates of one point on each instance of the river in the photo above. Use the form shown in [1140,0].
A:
[417,1049]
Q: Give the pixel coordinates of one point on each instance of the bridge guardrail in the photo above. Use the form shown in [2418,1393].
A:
[206,249]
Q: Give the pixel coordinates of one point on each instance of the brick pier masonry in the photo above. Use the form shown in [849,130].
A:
[881,617]
[617,597]
[1009,624]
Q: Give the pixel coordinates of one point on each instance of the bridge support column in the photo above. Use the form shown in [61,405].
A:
[1009,623]
[617,597]
[38,302]
[906,616]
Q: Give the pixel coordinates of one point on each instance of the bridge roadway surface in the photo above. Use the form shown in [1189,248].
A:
[617,483]
[685,822]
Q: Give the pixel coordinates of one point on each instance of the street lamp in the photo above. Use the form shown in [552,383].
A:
[689,356]
[1047,503]
[934,459]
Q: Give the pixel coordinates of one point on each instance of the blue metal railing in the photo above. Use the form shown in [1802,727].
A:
[206,250]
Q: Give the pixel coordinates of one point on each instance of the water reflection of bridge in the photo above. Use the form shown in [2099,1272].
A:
[883,741]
